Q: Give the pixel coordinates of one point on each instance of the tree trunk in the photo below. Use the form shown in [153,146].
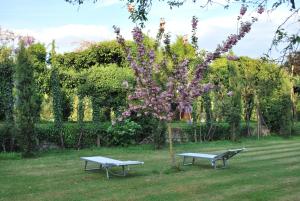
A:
[62,143]
[12,143]
[173,161]
[233,132]
[3,146]
[258,122]
[200,133]
[248,113]
[80,116]
[293,99]
[79,139]
[98,141]
[195,134]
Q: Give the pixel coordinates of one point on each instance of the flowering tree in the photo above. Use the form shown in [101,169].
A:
[151,97]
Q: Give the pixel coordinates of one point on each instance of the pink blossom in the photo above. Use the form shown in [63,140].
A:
[260,10]
[232,57]
[28,40]
[243,10]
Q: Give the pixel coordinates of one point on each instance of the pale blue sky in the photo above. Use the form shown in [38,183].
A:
[69,24]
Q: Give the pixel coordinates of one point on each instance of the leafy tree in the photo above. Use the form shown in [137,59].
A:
[96,104]
[248,71]
[234,106]
[6,96]
[57,97]
[41,74]
[273,98]
[25,103]
[207,104]
[107,52]
[182,49]
[105,85]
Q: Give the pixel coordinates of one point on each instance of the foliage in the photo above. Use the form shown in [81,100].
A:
[273,90]
[152,130]
[182,50]
[123,133]
[277,110]
[277,106]
[107,52]
[233,101]
[96,110]
[6,82]
[6,96]
[80,117]
[78,72]
[105,85]
[261,84]
[25,103]
[37,52]
[46,133]
[159,134]
[57,97]
[67,105]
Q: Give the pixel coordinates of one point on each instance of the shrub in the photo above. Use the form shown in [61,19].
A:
[159,134]
[46,133]
[123,133]
[277,113]
[152,130]
[221,131]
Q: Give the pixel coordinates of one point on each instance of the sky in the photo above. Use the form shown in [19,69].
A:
[69,25]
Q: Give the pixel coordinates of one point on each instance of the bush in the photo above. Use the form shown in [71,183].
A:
[123,133]
[221,131]
[277,113]
[159,134]
[152,130]
[5,137]
[46,133]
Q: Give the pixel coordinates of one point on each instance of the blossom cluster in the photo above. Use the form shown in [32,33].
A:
[28,40]
[243,10]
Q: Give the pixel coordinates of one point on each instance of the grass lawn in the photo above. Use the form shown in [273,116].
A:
[268,170]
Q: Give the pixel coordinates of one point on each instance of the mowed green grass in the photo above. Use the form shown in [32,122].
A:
[268,170]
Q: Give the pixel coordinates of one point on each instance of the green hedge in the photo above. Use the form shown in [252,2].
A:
[129,133]
[46,132]
[119,134]
[219,131]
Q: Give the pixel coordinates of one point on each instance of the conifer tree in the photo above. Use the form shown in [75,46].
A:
[25,104]
[6,96]
[57,97]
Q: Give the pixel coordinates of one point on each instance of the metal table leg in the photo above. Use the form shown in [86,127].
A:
[107,174]
[85,165]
